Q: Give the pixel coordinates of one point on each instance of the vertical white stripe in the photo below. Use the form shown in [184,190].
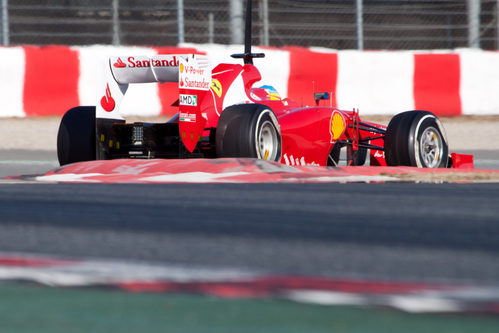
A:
[479,82]
[12,68]
[286,159]
[235,93]
[377,82]
[141,99]
[274,69]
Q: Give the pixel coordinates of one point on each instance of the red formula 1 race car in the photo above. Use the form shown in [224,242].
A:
[226,112]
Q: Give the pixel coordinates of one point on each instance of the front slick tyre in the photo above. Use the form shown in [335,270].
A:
[249,130]
[76,136]
[416,138]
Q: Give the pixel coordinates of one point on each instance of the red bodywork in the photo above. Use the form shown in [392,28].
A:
[307,133]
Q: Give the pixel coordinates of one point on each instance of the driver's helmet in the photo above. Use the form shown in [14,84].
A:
[272,93]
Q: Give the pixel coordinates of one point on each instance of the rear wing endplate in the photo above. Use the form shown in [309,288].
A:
[121,71]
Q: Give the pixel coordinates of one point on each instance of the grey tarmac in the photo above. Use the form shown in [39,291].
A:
[395,232]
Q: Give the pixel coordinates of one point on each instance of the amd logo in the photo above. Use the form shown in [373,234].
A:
[190,100]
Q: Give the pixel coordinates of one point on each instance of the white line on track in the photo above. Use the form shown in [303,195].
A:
[100,271]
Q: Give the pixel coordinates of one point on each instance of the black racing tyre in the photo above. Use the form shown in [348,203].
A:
[76,136]
[249,130]
[359,157]
[416,138]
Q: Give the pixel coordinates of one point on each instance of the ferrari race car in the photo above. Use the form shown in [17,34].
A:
[226,112]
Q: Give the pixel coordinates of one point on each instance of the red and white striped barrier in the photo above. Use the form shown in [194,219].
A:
[48,80]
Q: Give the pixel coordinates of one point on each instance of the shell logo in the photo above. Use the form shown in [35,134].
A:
[181,68]
[337,125]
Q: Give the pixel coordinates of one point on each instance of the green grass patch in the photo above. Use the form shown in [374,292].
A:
[30,308]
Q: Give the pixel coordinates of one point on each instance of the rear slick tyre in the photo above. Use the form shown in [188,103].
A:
[416,138]
[76,136]
[249,130]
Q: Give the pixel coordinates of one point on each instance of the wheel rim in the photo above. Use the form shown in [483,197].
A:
[431,147]
[268,141]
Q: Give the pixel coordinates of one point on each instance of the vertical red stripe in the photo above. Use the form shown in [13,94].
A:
[168,91]
[51,80]
[436,83]
[311,72]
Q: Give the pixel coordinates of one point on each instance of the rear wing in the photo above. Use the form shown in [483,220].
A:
[121,71]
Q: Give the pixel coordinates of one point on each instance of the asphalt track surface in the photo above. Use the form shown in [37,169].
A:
[397,232]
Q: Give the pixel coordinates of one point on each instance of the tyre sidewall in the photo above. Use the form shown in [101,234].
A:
[420,123]
[262,117]
[238,129]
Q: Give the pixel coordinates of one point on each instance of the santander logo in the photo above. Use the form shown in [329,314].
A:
[119,63]
[107,101]
[142,62]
